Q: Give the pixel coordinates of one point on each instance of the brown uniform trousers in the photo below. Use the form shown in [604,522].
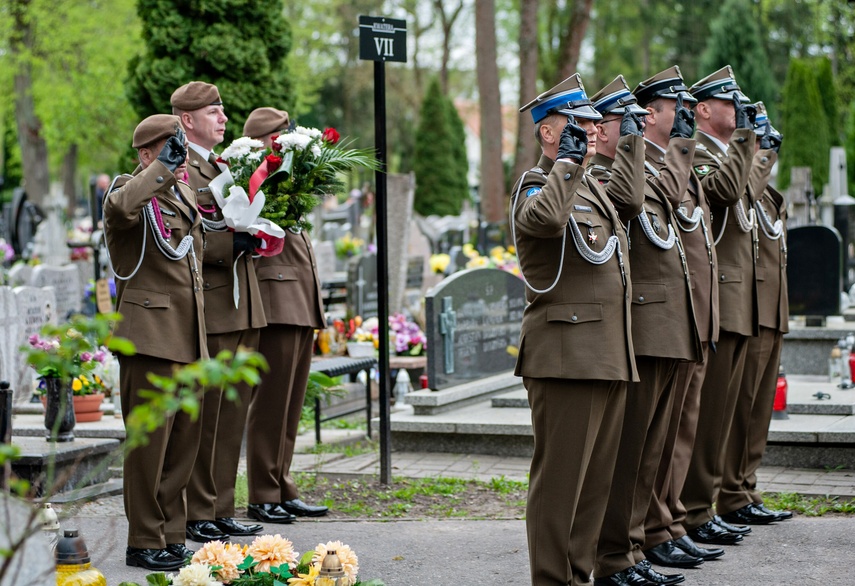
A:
[725,174]
[162,293]
[291,292]
[210,493]
[747,440]
[576,353]
[661,302]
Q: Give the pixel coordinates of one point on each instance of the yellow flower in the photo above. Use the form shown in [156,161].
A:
[497,251]
[469,250]
[306,579]
[439,262]
[477,262]
[76,385]
[226,556]
[84,380]
[348,559]
[271,551]
[512,250]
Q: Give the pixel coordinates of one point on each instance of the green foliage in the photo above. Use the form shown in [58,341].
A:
[805,129]
[439,186]
[850,146]
[735,40]
[241,46]
[828,94]
[458,144]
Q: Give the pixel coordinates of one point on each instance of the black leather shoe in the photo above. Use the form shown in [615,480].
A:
[180,550]
[203,531]
[709,532]
[230,526]
[669,555]
[690,547]
[301,509]
[737,529]
[269,513]
[156,560]
[627,577]
[646,571]
[782,515]
[749,515]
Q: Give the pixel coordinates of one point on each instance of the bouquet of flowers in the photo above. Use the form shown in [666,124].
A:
[405,335]
[274,189]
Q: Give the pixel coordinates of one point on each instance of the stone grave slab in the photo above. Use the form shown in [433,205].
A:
[814,270]
[20,274]
[35,307]
[65,281]
[362,292]
[473,321]
[9,339]
[399,210]
[33,563]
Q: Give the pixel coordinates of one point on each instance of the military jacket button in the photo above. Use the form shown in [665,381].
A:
[568,176]
[641,298]
[626,147]
[207,285]
[740,139]
[721,278]
[574,318]
[685,151]
[146,302]
[159,179]
[279,276]
[764,160]
[220,261]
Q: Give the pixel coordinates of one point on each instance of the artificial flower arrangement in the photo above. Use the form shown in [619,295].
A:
[270,560]
[405,335]
[348,246]
[80,361]
[499,258]
[265,191]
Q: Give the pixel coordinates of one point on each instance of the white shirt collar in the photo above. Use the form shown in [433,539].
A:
[203,152]
[718,143]
[650,143]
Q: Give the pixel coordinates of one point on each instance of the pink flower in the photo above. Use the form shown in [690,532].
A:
[85,356]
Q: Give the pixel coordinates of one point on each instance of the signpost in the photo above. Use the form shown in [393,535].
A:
[382,39]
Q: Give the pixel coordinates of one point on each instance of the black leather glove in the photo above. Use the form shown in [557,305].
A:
[745,114]
[173,152]
[631,124]
[684,121]
[573,143]
[771,139]
[245,242]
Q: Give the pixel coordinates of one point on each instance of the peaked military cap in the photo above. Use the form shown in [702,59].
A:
[721,85]
[568,98]
[194,95]
[264,121]
[665,84]
[616,98]
[761,120]
[155,128]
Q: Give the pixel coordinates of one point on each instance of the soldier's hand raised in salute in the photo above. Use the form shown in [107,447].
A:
[173,152]
[771,139]
[573,143]
[684,121]
[745,115]
[631,124]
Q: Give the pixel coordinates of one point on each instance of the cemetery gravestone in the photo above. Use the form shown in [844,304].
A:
[65,281]
[325,259]
[399,210]
[362,293]
[473,321]
[814,275]
[20,274]
[9,339]
[35,308]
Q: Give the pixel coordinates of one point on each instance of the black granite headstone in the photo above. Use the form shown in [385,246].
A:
[362,294]
[814,270]
[415,272]
[473,321]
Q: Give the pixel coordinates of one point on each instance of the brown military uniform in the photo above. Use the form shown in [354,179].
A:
[576,354]
[724,178]
[210,493]
[291,292]
[750,427]
[661,301]
[163,310]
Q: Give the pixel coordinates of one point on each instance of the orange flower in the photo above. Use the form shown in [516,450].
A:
[271,551]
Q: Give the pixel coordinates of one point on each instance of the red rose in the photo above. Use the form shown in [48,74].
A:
[331,135]
[273,162]
[275,145]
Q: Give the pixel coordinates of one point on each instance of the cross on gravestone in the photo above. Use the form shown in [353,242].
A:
[362,294]
[447,325]
[65,281]
[35,308]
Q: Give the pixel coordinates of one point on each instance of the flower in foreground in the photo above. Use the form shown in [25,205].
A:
[226,556]
[348,559]
[194,575]
[271,551]
[306,579]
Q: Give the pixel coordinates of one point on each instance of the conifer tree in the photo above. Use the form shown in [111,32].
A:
[828,93]
[735,40]
[240,46]
[805,129]
[458,144]
[437,172]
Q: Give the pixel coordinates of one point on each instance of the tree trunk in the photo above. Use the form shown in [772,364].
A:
[446,22]
[525,153]
[571,42]
[69,179]
[34,156]
[492,176]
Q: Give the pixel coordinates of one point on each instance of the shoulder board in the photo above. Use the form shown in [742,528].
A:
[537,170]
[699,146]
[119,181]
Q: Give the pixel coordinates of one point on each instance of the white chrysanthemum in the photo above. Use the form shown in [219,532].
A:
[316,150]
[194,575]
[293,141]
[348,559]
[310,132]
[240,148]
[255,156]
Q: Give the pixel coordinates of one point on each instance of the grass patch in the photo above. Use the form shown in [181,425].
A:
[808,505]
[348,449]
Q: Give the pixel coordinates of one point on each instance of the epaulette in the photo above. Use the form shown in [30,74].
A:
[537,169]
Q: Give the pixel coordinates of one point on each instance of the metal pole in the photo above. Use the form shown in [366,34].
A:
[5,428]
[382,270]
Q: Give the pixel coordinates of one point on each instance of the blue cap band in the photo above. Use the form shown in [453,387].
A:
[566,100]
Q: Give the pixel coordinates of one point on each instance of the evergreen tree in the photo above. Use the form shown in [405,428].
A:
[241,46]
[735,40]
[805,129]
[828,93]
[458,144]
[437,173]
[850,147]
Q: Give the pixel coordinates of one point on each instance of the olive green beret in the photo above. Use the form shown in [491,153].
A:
[194,95]
[264,121]
[155,128]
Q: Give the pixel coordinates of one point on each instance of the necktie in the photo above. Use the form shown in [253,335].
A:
[212,158]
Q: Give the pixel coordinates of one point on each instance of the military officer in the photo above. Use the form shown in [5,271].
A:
[723,161]
[661,301]
[739,501]
[154,237]
[664,96]
[576,352]
[233,316]
[291,292]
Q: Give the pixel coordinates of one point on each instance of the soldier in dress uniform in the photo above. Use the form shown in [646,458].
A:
[291,292]
[154,237]
[233,316]
[576,353]
[723,162]
[661,302]
[667,123]
[739,500]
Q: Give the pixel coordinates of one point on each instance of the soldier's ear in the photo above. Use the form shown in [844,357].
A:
[546,134]
[702,109]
